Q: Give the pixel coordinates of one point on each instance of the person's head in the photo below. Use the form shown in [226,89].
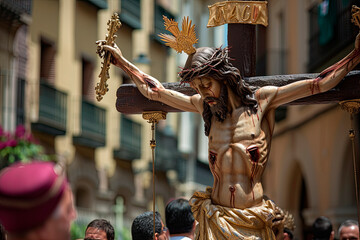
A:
[322,229]
[179,218]
[208,70]
[36,201]
[143,225]
[349,230]
[99,229]
[288,235]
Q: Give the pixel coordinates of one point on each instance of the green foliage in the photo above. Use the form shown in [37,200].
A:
[126,234]
[77,231]
[19,146]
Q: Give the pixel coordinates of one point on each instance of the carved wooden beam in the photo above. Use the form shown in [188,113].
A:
[131,101]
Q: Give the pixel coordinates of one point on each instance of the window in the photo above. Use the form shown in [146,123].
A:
[100,4]
[83,198]
[130,137]
[130,13]
[159,22]
[47,62]
[20,103]
[330,31]
[88,89]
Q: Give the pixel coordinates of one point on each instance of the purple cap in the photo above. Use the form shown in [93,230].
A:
[29,194]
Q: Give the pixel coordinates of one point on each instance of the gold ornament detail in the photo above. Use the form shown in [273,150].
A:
[102,87]
[351,106]
[181,40]
[355,15]
[154,116]
[289,221]
[246,12]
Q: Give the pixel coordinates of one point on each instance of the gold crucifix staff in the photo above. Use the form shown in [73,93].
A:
[153,117]
[102,87]
[353,107]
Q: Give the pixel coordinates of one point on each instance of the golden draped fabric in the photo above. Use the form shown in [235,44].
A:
[218,222]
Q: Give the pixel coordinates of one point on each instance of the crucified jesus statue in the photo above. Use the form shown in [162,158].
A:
[239,122]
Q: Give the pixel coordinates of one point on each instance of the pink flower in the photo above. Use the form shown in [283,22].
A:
[1,131]
[2,145]
[20,131]
[11,143]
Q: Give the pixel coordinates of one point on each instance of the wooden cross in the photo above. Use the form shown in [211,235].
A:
[131,101]
[243,51]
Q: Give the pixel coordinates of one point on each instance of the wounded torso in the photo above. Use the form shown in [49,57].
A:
[238,151]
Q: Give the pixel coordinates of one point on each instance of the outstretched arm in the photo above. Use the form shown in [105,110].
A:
[149,86]
[326,80]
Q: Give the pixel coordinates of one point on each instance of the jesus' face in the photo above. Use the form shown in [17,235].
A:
[208,88]
[215,96]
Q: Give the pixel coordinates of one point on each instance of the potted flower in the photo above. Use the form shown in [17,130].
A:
[19,146]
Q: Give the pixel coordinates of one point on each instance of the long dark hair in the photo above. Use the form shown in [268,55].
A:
[215,63]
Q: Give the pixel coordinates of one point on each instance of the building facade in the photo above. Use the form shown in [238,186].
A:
[48,71]
[310,170]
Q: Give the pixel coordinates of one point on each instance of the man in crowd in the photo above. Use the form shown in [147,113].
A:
[349,230]
[142,227]
[99,229]
[36,202]
[322,229]
[180,220]
[288,234]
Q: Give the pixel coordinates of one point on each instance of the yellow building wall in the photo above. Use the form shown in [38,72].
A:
[312,142]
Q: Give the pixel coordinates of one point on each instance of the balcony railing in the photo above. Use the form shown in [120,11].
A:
[93,126]
[100,4]
[167,155]
[52,110]
[344,33]
[131,13]
[159,22]
[130,140]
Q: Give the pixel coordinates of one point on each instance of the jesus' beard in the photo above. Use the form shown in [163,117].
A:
[220,109]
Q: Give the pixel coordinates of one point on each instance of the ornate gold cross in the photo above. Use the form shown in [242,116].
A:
[355,15]
[102,87]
